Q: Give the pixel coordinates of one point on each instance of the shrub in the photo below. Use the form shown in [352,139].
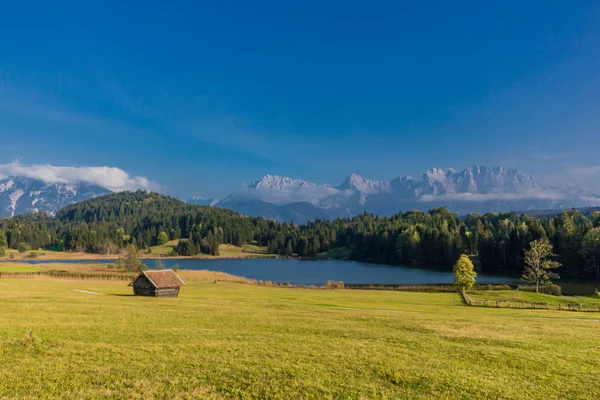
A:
[2,252]
[176,267]
[23,247]
[597,293]
[334,285]
[11,256]
[32,254]
[162,238]
[554,290]
[491,286]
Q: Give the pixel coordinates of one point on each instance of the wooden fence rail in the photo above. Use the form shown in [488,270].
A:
[65,275]
[531,305]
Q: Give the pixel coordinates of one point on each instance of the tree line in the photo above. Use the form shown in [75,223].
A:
[496,241]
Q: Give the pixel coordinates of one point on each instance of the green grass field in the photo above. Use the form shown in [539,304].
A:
[166,249]
[339,252]
[92,339]
[226,250]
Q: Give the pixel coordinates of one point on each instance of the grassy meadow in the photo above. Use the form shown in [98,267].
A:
[92,339]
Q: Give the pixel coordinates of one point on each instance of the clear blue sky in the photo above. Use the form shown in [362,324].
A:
[203,96]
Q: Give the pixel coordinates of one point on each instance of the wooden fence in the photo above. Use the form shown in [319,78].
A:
[66,275]
[527,305]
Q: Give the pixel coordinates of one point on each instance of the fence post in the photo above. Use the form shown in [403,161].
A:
[497,304]
[559,307]
[508,304]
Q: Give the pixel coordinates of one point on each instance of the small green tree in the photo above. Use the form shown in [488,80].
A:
[132,259]
[162,238]
[2,252]
[539,263]
[176,267]
[159,264]
[464,273]
[120,264]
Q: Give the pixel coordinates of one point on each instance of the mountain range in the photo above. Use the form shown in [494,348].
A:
[474,189]
[20,195]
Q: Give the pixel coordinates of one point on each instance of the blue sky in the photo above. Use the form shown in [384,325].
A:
[205,96]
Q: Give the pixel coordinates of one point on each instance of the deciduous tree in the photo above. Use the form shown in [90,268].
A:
[539,263]
[162,238]
[464,273]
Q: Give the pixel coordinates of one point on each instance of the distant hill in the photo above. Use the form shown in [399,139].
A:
[300,212]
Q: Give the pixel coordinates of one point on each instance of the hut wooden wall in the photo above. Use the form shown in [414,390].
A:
[167,292]
[143,287]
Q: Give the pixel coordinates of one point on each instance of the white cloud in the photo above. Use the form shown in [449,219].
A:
[532,194]
[588,176]
[111,178]
[310,194]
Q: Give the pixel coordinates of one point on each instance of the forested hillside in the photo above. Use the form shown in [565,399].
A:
[108,223]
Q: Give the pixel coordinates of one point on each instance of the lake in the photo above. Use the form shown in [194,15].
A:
[318,272]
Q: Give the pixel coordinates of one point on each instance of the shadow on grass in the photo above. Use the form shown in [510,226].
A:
[121,295]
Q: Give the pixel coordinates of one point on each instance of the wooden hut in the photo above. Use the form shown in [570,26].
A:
[163,283]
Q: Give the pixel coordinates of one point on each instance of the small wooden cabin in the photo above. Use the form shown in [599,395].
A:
[163,283]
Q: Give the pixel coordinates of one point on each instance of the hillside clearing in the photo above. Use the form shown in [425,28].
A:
[228,340]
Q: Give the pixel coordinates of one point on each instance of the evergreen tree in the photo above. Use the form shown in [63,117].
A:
[3,241]
[288,249]
[590,248]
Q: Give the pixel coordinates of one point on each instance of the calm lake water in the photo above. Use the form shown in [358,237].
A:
[318,272]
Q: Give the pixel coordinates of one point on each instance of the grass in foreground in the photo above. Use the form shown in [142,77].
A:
[517,296]
[91,339]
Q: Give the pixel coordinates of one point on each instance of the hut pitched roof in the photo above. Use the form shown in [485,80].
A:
[161,279]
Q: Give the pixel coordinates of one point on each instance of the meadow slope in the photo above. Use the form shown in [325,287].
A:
[92,339]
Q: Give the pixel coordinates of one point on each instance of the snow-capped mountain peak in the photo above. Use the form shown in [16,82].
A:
[202,201]
[474,189]
[20,195]
[363,185]
[279,182]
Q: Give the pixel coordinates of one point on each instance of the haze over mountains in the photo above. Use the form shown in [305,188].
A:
[474,189]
